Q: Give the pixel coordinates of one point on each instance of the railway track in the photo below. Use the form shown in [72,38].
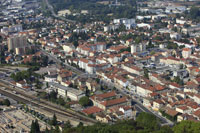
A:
[25,98]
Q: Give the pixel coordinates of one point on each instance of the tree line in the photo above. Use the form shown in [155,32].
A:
[144,123]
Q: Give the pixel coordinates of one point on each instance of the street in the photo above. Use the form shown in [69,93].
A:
[138,104]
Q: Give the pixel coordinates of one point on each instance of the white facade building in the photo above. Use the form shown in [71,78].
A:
[75,94]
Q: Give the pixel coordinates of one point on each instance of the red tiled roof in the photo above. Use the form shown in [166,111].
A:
[92,110]
[84,60]
[114,101]
[127,107]
[186,49]
[197,113]
[105,95]
[159,101]
[8,58]
[171,112]
[183,107]
[159,87]
[175,85]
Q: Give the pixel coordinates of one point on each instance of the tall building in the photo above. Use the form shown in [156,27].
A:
[18,43]
[138,48]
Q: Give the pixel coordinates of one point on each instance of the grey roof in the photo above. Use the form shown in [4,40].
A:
[56,85]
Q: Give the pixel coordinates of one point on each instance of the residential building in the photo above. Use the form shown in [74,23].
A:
[186,52]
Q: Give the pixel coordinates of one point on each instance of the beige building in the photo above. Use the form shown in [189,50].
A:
[186,52]
[18,43]
[108,100]
[64,12]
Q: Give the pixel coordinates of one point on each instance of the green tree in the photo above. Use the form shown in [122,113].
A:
[54,120]
[194,12]
[147,121]
[138,40]
[146,73]
[75,43]
[187,127]
[67,126]
[178,80]
[53,96]
[85,101]
[152,52]
[35,128]
[61,101]
[46,130]
[6,102]
[172,46]
[56,130]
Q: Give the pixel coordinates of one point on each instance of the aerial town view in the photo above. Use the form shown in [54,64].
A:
[99,66]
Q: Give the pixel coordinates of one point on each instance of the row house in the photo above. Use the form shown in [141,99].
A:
[155,78]
[157,104]
[144,90]
[121,81]
[196,98]
[170,60]
[91,68]
[99,46]
[123,112]
[68,47]
[183,109]
[113,58]
[132,69]
[84,50]
[84,62]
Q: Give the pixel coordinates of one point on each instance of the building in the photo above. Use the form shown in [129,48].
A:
[138,48]
[132,69]
[128,23]
[186,52]
[92,110]
[12,29]
[75,94]
[108,100]
[60,89]
[65,91]
[64,12]
[50,78]
[157,104]
[110,28]
[183,109]
[103,97]
[18,43]
[102,118]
